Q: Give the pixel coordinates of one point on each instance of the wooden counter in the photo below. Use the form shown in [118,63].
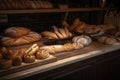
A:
[66,61]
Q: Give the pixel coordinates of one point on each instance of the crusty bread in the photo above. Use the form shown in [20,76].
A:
[16,31]
[49,35]
[5,63]
[106,40]
[42,54]
[31,37]
[83,39]
[62,32]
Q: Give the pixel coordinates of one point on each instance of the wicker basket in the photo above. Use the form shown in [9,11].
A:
[112,19]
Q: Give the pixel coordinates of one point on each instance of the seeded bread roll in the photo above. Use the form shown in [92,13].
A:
[16,32]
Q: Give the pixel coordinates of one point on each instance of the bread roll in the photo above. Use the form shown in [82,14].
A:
[77,45]
[49,35]
[16,32]
[5,64]
[106,40]
[29,58]
[102,39]
[62,32]
[53,48]
[42,54]
[110,41]
[31,37]
[68,47]
[67,32]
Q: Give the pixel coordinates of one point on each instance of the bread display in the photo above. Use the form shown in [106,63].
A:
[106,40]
[58,33]
[16,32]
[29,38]
[83,39]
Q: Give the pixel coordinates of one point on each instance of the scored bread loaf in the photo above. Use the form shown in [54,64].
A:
[31,37]
[16,31]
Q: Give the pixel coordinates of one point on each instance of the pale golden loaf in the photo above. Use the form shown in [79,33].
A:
[31,37]
[16,32]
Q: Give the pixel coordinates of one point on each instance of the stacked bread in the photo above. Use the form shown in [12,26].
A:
[18,36]
[9,58]
[57,33]
[24,4]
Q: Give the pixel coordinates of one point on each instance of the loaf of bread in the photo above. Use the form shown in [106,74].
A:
[16,32]
[31,37]
[83,39]
[106,40]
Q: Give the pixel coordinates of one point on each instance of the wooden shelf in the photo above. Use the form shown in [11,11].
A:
[52,10]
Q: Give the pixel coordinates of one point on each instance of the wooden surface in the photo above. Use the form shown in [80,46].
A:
[54,57]
[25,66]
[51,10]
[95,49]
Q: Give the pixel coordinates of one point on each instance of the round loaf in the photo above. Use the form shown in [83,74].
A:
[83,39]
[16,32]
[31,37]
